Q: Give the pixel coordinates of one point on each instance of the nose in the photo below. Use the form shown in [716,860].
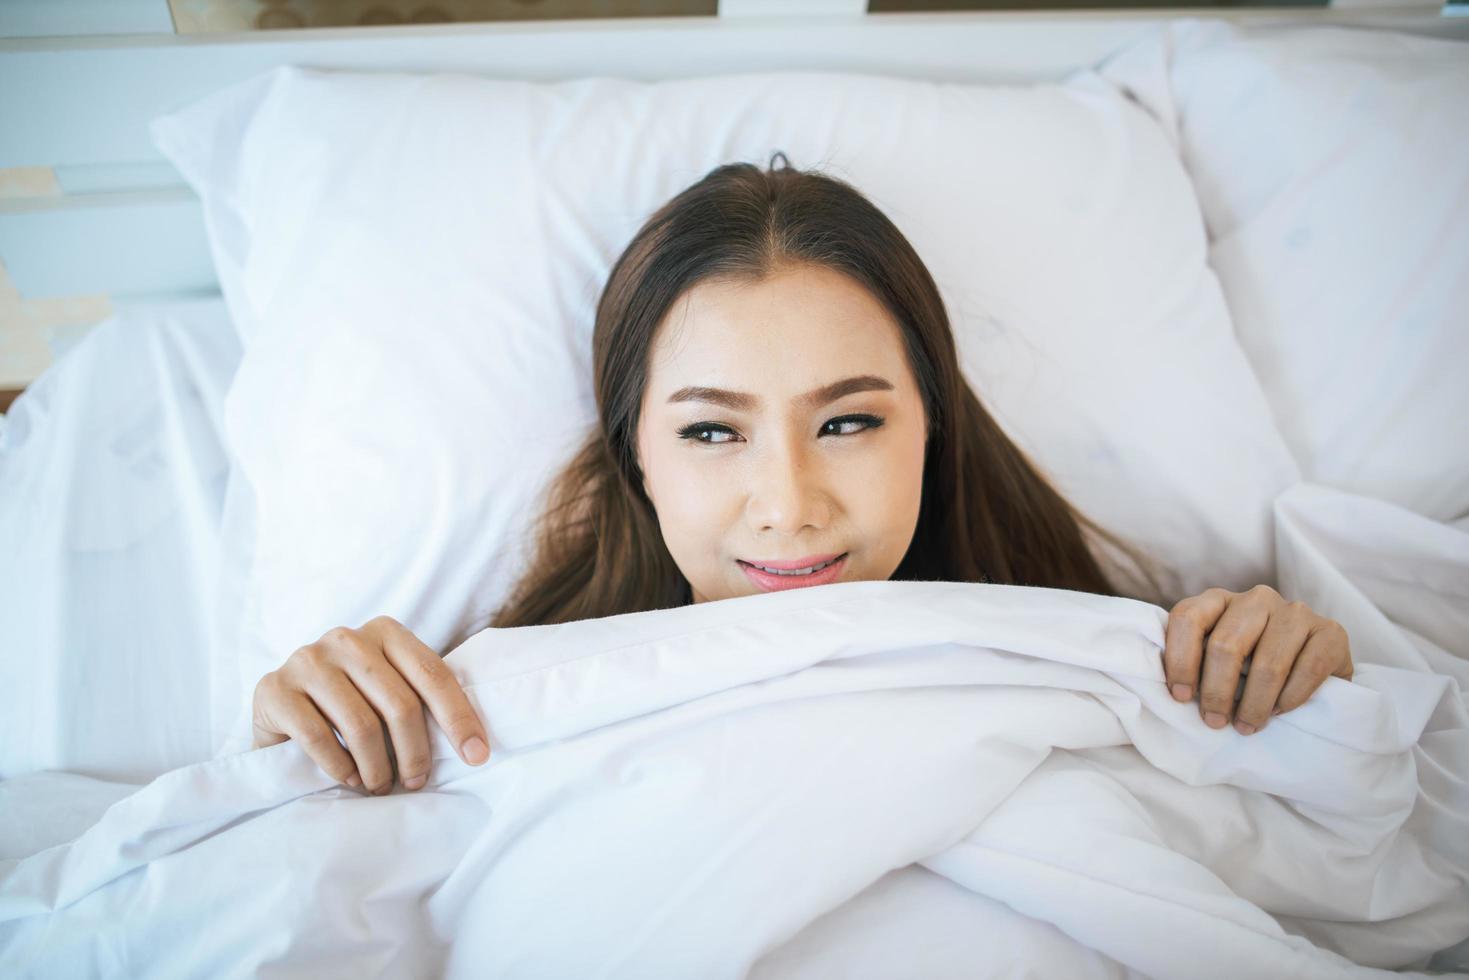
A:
[787,491]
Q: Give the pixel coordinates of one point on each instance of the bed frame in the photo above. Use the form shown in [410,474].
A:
[127,226]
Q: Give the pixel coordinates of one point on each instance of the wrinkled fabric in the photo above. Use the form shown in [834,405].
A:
[939,778]
[112,481]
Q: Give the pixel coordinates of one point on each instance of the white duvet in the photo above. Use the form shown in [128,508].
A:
[861,780]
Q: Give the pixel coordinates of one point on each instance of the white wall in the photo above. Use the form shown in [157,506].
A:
[54,18]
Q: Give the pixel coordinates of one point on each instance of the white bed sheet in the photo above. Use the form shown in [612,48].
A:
[936,779]
[112,473]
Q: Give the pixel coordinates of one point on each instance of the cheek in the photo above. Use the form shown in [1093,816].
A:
[885,498]
[690,497]
[899,482]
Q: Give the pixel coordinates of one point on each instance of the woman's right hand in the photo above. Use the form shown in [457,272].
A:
[357,681]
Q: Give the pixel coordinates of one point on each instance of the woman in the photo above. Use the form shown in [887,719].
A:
[780,406]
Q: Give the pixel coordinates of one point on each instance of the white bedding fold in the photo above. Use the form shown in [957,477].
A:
[734,787]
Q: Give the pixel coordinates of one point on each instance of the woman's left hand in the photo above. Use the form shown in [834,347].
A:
[1289,648]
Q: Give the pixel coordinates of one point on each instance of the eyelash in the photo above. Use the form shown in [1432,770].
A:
[692,431]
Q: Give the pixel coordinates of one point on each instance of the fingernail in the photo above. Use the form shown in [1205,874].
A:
[475,751]
[1244,728]
[1181,692]
[415,782]
[355,781]
[1215,720]
[383,790]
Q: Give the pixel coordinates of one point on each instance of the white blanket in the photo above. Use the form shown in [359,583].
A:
[860,780]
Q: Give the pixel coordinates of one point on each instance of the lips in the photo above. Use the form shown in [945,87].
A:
[787,565]
[776,582]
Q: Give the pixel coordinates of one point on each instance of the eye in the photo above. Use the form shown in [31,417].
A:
[706,432]
[697,430]
[865,421]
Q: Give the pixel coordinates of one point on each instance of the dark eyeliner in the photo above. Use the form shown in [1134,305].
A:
[870,422]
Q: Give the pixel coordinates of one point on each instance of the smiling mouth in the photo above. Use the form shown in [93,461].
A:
[795,572]
[769,579]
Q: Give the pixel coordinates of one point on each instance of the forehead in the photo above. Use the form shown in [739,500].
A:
[793,329]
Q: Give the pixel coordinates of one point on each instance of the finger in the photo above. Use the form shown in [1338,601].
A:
[426,672]
[264,739]
[265,731]
[398,706]
[349,713]
[1183,650]
[294,715]
[1344,669]
[1275,653]
[1231,640]
[1316,662]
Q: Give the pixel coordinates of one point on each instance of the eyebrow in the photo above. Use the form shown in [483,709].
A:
[739,401]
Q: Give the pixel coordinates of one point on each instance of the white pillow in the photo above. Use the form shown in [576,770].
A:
[1333,170]
[422,256]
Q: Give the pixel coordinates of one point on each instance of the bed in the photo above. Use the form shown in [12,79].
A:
[866,779]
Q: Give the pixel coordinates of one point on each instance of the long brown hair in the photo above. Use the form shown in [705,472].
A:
[987,514]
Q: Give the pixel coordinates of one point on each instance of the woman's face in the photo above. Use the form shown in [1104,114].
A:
[781,426]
